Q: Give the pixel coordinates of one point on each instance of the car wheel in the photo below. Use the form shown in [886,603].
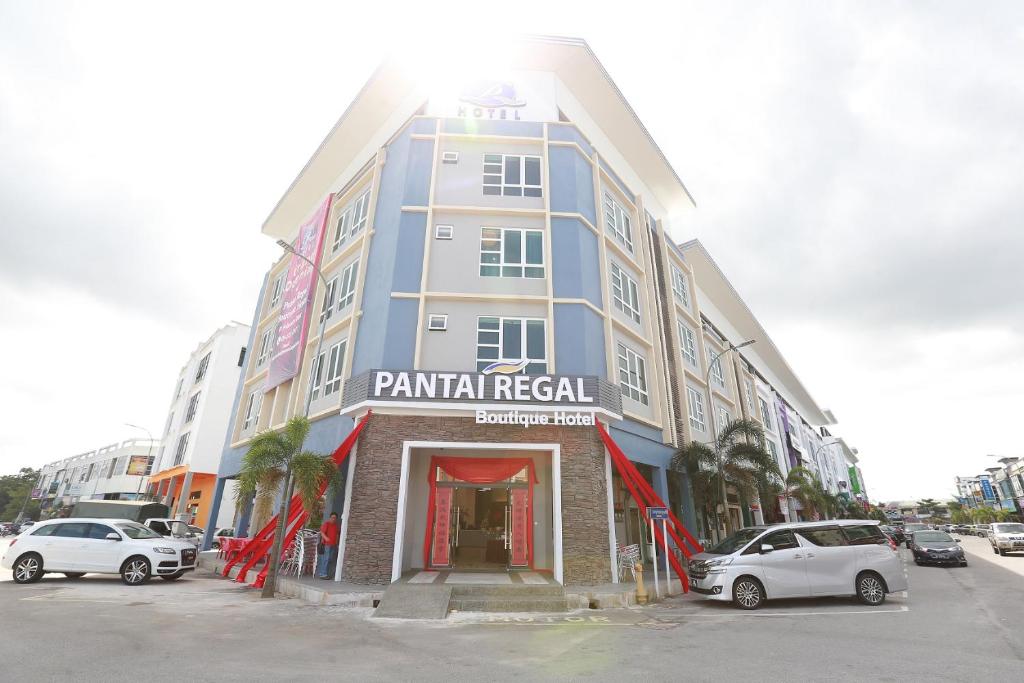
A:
[172,577]
[871,589]
[135,571]
[28,568]
[74,575]
[917,562]
[1002,552]
[963,563]
[747,593]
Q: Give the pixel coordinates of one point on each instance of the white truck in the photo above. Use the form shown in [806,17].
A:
[1006,537]
[169,527]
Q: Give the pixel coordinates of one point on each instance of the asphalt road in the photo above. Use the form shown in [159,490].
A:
[956,624]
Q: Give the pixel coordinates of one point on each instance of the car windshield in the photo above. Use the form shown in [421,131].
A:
[736,541]
[1008,528]
[178,528]
[138,531]
[916,527]
[933,537]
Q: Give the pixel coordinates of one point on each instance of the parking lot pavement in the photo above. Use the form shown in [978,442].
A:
[953,624]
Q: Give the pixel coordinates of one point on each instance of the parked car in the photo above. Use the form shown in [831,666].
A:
[78,545]
[936,547]
[220,533]
[174,528]
[801,559]
[894,532]
[983,530]
[960,529]
[909,529]
[1006,537]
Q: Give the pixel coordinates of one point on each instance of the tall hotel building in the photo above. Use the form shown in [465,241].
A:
[496,255]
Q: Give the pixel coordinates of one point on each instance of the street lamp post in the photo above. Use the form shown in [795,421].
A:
[714,428]
[149,455]
[270,585]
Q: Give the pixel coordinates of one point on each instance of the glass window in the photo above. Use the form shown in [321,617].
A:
[265,346]
[327,306]
[45,530]
[72,530]
[201,370]
[781,540]
[316,374]
[334,367]
[352,220]
[632,374]
[275,291]
[133,530]
[689,344]
[766,415]
[179,453]
[825,536]
[347,292]
[617,222]
[511,252]
[695,401]
[99,531]
[680,290]
[252,409]
[512,175]
[867,534]
[715,364]
[512,340]
[625,293]
[193,406]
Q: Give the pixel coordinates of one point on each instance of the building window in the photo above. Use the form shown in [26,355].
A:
[748,389]
[724,418]
[252,409]
[352,220]
[715,365]
[177,391]
[316,375]
[617,221]
[449,157]
[193,406]
[437,322]
[265,346]
[347,293]
[625,293]
[275,291]
[512,340]
[696,403]
[689,344]
[444,232]
[766,415]
[512,175]
[772,450]
[327,306]
[511,252]
[335,359]
[679,288]
[179,452]
[203,365]
[632,374]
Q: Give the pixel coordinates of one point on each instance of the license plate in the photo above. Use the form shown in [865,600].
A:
[693,583]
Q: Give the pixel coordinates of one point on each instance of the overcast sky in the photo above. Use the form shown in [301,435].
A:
[858,169]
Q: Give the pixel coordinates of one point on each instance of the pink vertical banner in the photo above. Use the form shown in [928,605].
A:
[297,300]
[519,557]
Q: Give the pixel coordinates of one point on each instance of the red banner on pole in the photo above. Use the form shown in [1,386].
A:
[441,556]
[297,300]
[519,555]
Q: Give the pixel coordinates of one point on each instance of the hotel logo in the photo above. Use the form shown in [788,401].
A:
[491,100]
[505,367]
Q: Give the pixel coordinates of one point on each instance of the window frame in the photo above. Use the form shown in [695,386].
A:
[623,284]
[615,214]
[327,305]
[345,293]
[502,263]
[717,372]
[335,367]
[680,288]
[276,290]
[635,366]
[193,407]
[449,157]
[351,220]
[202,368]
[689,344]
[502,186]
[695,403]
[438,229]
[265,346]
[251,417]
[500,343]
[180,449]
[443,327]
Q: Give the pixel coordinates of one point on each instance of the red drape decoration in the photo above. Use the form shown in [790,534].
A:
[478,471]
[259,546]
[646,497]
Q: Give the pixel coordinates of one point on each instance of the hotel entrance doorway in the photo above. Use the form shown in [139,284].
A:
[480,513]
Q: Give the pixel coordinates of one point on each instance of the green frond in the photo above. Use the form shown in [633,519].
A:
[311,473]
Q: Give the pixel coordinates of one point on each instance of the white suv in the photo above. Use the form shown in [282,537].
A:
[798,560]
[1006,537]
[78,546]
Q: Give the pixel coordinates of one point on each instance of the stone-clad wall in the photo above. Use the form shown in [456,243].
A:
[370,543]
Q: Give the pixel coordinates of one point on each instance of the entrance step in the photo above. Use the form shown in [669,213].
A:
[516,598]
[414,601]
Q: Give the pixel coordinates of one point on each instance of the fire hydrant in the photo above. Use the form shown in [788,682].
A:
[641,592]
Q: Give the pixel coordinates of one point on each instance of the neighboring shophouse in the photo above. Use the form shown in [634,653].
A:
[114,472]
[186,471]
[494,256]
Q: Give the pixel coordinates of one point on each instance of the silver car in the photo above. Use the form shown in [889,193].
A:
[800,560]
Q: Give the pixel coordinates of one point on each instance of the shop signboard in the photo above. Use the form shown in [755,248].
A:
[36,493]
[74,489]
[986,490]
[297,300]
[657,513]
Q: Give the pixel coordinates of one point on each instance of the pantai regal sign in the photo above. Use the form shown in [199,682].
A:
[492,396]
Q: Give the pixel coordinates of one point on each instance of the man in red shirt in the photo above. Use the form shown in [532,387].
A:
[329,532]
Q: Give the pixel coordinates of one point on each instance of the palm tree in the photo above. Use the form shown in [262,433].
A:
[805,487]
[264,466]
[745,464]
[926,506]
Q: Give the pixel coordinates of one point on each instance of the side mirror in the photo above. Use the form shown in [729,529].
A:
[767,548]
[959,541]
[113,536]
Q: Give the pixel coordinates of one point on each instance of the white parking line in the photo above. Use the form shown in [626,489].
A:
[902,609]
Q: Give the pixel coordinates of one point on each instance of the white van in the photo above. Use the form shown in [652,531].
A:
[798,560]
